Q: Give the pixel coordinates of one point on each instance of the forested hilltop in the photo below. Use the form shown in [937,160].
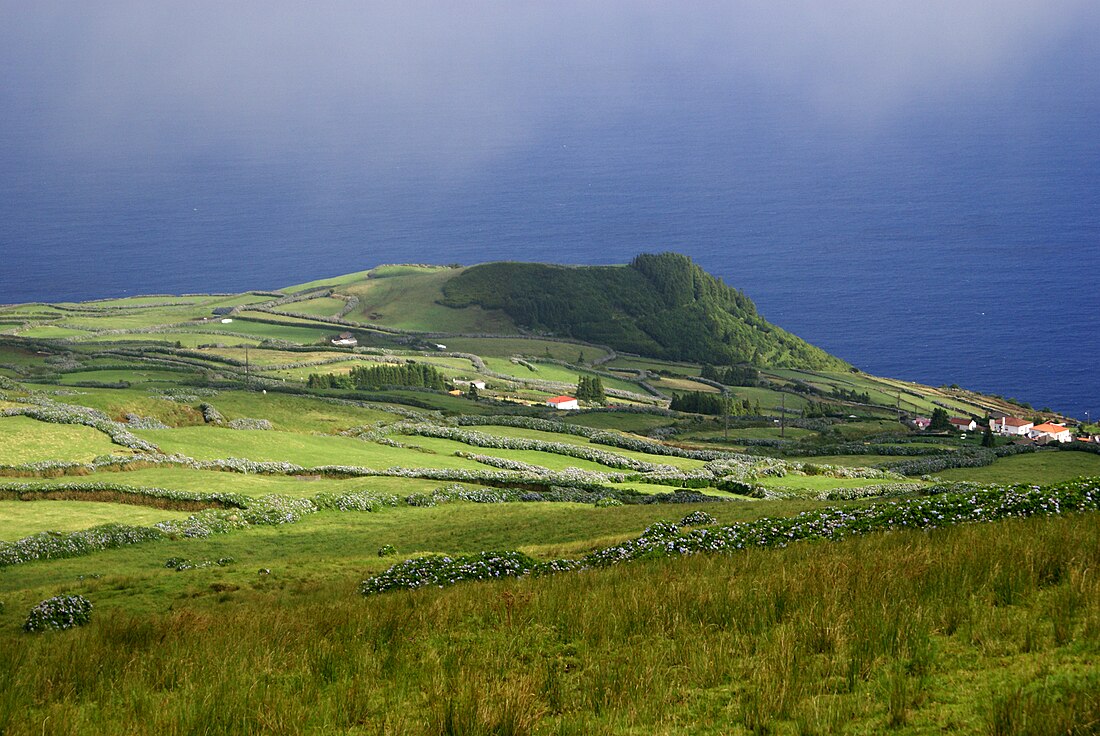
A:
[661,305]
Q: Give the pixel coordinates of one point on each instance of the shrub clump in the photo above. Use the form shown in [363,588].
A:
[59,612]
[387,550]
[607,502]
[246,423]
[698,518]
[440,571]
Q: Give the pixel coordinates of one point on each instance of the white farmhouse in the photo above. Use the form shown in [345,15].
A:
[563,402]
[1011,426]
[1051,432]
[963,425]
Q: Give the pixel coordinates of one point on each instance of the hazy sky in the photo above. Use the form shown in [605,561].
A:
[449,83]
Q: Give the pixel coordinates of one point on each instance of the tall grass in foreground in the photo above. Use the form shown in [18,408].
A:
[991,629]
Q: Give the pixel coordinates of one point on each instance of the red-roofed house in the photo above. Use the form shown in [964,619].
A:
[563,402]
[1011,426]
[1051,432]
[963,425]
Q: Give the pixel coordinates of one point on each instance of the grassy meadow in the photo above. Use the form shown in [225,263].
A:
[142,468]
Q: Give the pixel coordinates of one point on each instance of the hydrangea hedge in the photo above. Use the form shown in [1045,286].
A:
[666,539]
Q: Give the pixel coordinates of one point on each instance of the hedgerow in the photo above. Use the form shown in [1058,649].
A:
[481,439]
[440,571]
[665,539]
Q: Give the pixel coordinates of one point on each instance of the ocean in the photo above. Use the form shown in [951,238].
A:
[954,247]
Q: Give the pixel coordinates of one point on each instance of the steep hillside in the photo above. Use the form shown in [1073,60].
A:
[662,305]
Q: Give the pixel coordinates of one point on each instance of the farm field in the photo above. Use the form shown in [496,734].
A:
[24,440]
[24,518]
[245,578]
[1037,468]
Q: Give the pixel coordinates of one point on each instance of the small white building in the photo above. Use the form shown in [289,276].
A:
[963,425]
[563,402]
[1051,432]
[479,385]
[1011,426]
[345,340]
[921,423]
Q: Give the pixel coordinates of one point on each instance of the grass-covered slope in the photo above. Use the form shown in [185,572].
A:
[660,305]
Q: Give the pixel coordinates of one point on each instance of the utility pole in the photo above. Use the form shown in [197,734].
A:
[726,416]
[783,414]
[247,374]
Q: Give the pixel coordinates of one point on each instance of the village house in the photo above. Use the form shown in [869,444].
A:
[345,340]
[1050,432]
[1011,426]
[563,402]
[921,423]
[963,425]
[479,385]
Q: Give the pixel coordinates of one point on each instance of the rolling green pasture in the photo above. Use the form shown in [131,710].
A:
[818,482]
[327,283]
[116,403]
[570,439]
[269,356]
[137,376]
[214,443]
[556,373]
[506,347]
[53,332]
[325,306]
[296,413]
[290,333]
[186,339]
[751,433]
[208,481]
[149,301]
[534,457]
[668,384]
[408,301]
[650,364]
[24,440]
[626,421]
[20,519]
[1039,467]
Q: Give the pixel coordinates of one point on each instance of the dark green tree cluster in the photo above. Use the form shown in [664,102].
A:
[661,305]
[590,389]
[816,409]
[734,375]
[329,380]
[940,421]
[987,437]
[847,394]
[698,402]
[417,375]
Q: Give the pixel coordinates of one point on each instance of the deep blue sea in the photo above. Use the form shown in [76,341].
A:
[956,246]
